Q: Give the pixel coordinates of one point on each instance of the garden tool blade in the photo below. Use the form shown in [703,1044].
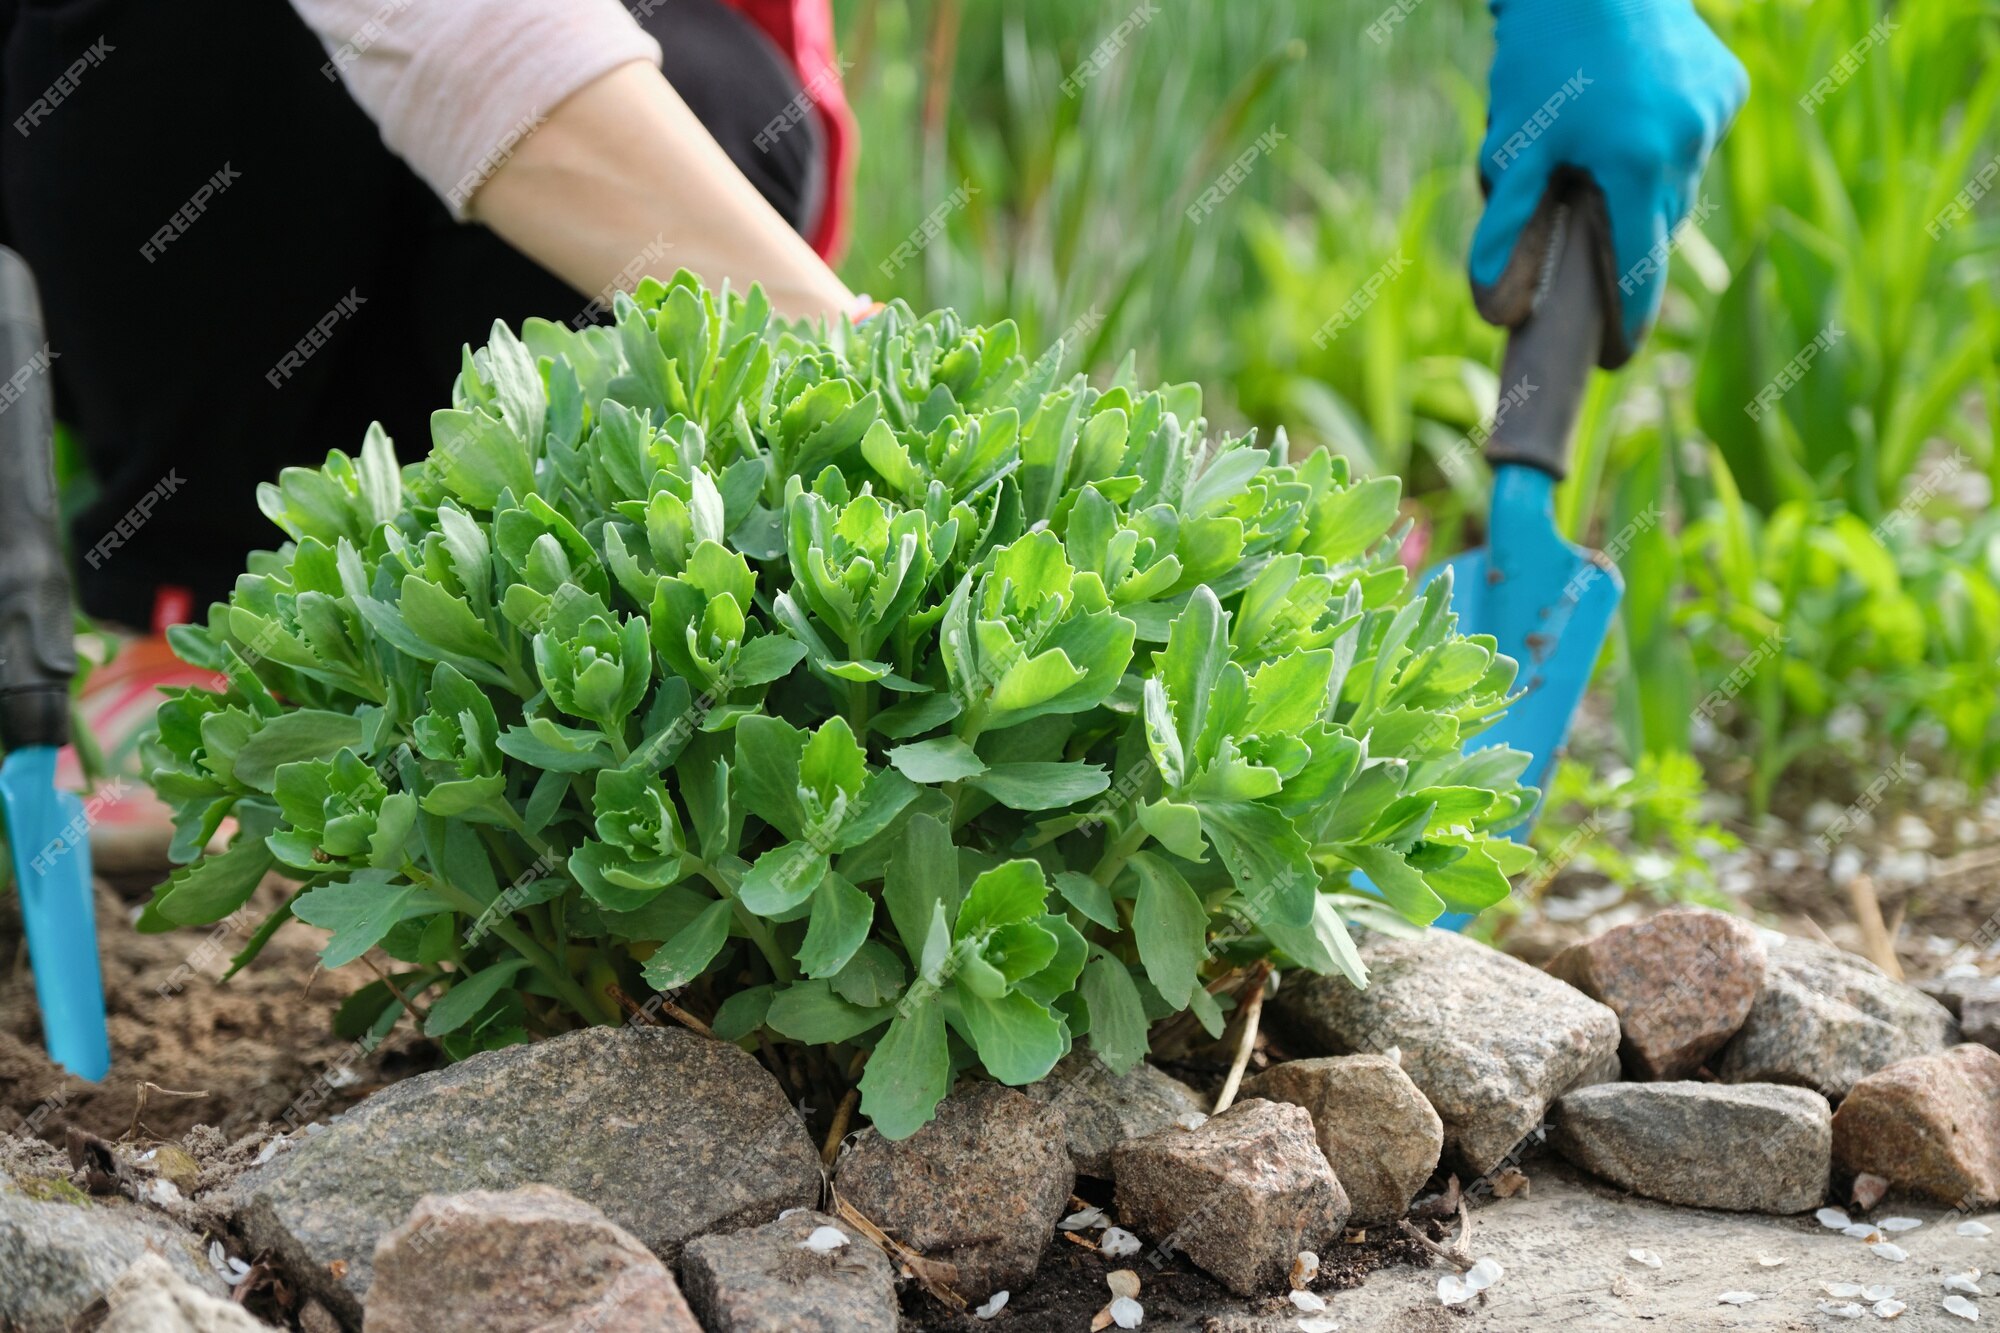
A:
[50,842]
[1547,602]
[47,833]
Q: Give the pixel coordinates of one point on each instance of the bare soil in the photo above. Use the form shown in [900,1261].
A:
[248,1048]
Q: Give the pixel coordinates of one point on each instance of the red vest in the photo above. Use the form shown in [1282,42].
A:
[803,30]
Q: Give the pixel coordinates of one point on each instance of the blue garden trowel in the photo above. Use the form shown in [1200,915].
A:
[1547,601]
[47,832]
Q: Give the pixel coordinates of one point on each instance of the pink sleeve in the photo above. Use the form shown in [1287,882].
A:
[455,85]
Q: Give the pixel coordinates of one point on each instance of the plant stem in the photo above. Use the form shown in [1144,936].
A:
[1118,853]
[756,928]
[540,958]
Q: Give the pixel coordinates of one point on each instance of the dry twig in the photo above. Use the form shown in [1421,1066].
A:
[1252,1011]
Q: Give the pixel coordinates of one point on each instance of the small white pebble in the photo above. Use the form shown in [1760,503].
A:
[161,1192]
[1320,1324]
[1453,1291]
[1646,1257]
[1839,1309]
[1087,1218]
[1901,1223]
[1833,1218]
[1310,1302]
[1965,1282]
[1736,1297]
[1889,1250]
[1978,1230]
[1123,1282]
[1961,1307]
[994,1305]
[1880,1291]
[1127,1313]
[824,1240]
[1842,1290]
[1484,1274]
[1889,1309]
[1192,1120]
[1117,1242]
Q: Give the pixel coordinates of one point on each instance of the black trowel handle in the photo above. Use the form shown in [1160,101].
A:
[37,644]
[1549,358]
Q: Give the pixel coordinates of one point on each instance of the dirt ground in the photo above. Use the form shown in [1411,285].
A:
[250,1047]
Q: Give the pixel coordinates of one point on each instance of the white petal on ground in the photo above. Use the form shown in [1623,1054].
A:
[1192,1120]
[1084,1219]
[1123,1282]
[1839,1309]
[1901,1223]
[1833,1218]
[1484,1274]
[1880,1291]
[1310,1302]
[1127,1313]
[1885,1249]
[1117,1242]
[788,1212]
[824,1240]
[1861,1231]
[1318,1324]
[1646,1257]
[1769,1260]
[1976,1229]
[994,1305]
[1842,1290]
[1736,1297]
[1889,1309]
[1965,1282]
[1453,1291]
[1961,1307]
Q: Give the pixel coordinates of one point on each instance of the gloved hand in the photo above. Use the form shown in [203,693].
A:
[1635,93]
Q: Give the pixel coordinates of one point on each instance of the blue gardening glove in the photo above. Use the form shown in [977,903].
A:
[1632,93]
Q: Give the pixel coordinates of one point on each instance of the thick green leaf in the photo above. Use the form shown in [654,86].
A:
[908,1072]
[688,954]
[214,886]
[1117,1016]
[309,733]
[1040,786]
[360,911]
[1018,1040]
[811,1012]
[1170,926]
[468,996]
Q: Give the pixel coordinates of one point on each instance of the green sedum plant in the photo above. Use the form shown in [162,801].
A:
[869,689]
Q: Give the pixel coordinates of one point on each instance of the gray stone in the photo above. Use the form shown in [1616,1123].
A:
[765,1280]
[57,1258]
[1378,1133]
[1952,989]
[671,1134]
[152,1298]
[525,1260]
[1747,1147]
[1102,1109]
[1980,1018]
[1240,1196]
[1489,1040]
[1825,1019]
[980,1187]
